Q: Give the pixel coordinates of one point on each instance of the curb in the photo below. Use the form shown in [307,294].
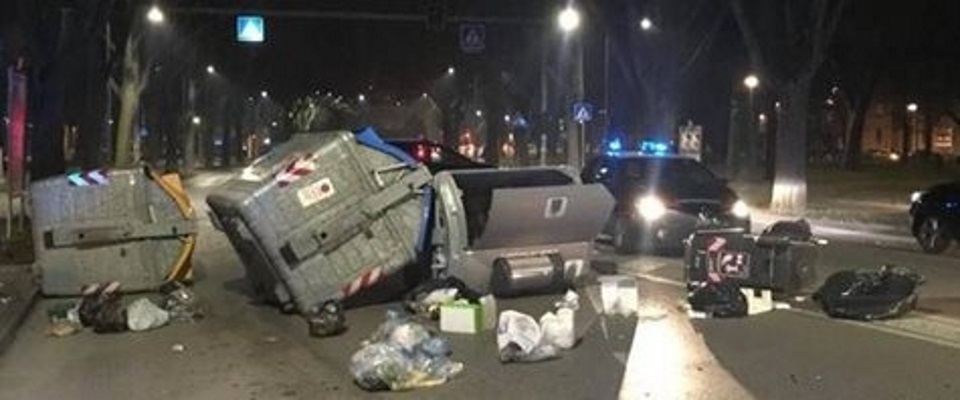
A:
[18,283]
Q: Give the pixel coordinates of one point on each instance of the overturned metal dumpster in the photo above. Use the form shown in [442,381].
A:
[516,231]
[133,226]
[324,216]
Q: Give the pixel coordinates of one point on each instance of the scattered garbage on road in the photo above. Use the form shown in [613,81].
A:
[181,302]
[887,292]
[619,295]
[102,308]
[718,299]
[426,298]
[143,315]
[402,355]
[520,338]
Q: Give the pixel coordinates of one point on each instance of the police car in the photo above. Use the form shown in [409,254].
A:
[663,198]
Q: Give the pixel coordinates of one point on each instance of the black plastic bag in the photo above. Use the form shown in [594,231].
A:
[721,299]
[102,309]
[327,320]
[797,230]
[413,301]
[869,295]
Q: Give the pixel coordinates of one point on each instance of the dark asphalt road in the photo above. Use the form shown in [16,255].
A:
[247,351]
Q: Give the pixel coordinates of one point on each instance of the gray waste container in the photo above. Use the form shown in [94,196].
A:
[134,226]
[511,231]
[323,216]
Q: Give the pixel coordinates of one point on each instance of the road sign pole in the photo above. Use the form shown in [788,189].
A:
[583,145]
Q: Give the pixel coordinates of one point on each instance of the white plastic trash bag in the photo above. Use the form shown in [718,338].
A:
[558,328]
[518,329]
[143,315]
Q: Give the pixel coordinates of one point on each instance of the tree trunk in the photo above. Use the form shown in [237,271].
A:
[129,103]
[134,82]
[790,175]
[854,136]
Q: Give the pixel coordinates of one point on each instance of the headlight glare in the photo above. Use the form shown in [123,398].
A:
[650,207]
[740,209]
[915,196]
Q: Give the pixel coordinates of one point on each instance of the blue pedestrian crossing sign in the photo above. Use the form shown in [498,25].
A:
[250,29]
[472,38]
[582,112]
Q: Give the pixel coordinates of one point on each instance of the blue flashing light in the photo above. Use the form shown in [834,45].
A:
[654,148]
[615,145]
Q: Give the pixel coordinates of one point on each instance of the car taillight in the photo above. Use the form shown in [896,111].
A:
[421,153]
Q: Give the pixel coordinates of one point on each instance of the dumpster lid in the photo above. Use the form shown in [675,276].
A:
[536,216]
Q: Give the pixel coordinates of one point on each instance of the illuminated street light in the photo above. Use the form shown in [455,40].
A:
[912,107]
[274,124]
[506,118]
[361,97]
[568,19]
[479,114]
[451,70]
[263,94]
[751,82]
[646,24]
[763,117]
[211,70]
[155,15]
[196,120]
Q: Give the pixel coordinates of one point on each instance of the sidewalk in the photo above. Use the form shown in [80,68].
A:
[876,216]
[18,286]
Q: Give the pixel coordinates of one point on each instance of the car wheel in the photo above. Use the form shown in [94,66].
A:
[625,237]
[932,236]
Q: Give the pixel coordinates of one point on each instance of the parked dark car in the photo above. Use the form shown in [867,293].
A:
[662,200]
[935,214]
[436,156]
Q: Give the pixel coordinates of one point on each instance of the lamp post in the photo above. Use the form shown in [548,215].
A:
[912,109]
[753,170]
[568,21]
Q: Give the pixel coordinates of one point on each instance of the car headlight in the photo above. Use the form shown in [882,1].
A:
[650,207]
[915,196]
[740,209]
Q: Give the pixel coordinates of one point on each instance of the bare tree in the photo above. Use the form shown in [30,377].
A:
[656,44]
[787,41]
[134,75]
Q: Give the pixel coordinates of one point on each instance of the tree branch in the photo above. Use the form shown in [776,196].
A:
[754,49]
[704,42]
[825,25]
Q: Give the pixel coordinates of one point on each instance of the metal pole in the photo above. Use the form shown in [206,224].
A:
[574,142]
[545,121]
[606,79]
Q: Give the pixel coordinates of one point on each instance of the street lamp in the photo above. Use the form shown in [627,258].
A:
[155,15]
[646,24]
[752,148]
[451,70]
[211,70]
[361,97]
[568,19]
[263,94]
[479,114]
[912,109]
[196,120]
